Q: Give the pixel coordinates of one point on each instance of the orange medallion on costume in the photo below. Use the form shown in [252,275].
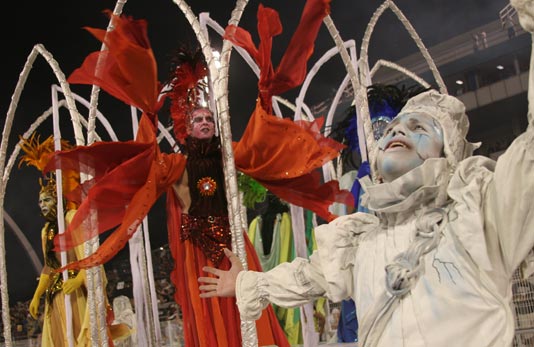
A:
[206,186]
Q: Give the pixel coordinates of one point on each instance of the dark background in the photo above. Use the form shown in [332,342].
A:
[58,26]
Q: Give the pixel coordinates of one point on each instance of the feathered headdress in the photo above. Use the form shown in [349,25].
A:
[37,154]
[385,102]
[189,89]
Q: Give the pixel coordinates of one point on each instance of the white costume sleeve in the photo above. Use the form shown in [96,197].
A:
[497,197]
[286,285]
[328,271]
[509,204]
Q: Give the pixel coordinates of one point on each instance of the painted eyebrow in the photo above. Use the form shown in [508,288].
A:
[202,117]
[411,121]
[415,121]
[430,122]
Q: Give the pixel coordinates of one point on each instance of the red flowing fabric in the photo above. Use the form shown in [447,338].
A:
[213,322]
[127,69]
[292,68]
[281,154]
[128,177]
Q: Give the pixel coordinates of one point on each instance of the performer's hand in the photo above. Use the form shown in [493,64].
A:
[224,284]
[70,285]
[34,307]
[39,291]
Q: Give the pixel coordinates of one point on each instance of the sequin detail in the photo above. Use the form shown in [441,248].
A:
[56,278]
[50,255]
[206,186]
[210,233]
[56,284]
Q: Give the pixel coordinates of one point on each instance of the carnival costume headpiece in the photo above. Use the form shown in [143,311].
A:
[385,102]
[450,113]
[38,154]
[189,90]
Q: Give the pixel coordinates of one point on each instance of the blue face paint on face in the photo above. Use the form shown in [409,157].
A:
[407,142]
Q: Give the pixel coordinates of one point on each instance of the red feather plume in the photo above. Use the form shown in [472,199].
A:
[188,84]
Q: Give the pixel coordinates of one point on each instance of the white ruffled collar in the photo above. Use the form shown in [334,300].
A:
[425,185]
[432,185]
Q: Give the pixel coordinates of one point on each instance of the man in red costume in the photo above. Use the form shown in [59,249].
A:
[130,176]
[199,230]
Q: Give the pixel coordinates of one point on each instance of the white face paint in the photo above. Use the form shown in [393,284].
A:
[203,124]
[407,142]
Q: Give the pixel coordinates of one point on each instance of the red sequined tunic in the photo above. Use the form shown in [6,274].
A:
[206,223]
[197,239]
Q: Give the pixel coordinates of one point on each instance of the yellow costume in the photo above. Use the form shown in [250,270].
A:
[54,322]
[51,284]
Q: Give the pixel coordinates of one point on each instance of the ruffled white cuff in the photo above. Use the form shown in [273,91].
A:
[250,298]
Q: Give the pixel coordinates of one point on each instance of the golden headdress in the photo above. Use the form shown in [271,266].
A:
[37,154]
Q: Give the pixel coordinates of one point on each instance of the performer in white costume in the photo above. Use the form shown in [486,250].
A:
[433,264]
